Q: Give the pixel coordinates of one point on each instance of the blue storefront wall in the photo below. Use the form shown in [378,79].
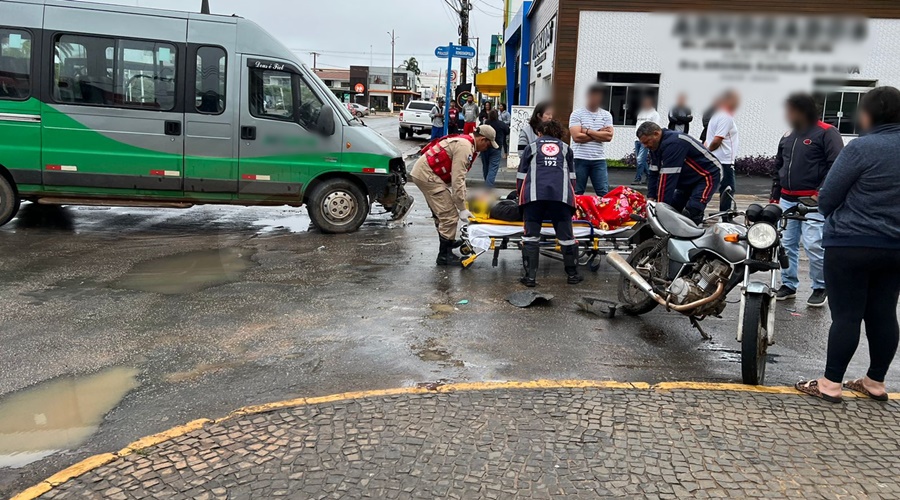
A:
[517,39]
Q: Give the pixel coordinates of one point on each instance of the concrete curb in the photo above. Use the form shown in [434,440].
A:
[91,463]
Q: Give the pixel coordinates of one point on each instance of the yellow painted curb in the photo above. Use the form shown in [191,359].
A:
[100,460]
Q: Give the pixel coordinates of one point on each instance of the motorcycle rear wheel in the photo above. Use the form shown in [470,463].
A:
[755,340]
[634,301]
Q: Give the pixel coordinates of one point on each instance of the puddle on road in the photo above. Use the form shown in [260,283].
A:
[441,311]
[295,223]
[187,272]
[431,351]
[58,415]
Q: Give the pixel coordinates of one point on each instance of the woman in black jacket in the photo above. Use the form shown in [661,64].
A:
[862,249]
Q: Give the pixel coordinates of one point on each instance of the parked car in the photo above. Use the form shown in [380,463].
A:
[358,109]
[416,118]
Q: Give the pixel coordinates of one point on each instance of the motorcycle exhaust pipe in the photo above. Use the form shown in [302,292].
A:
[629,272]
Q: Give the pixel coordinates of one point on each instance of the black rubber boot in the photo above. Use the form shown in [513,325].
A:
[446,257]
[570,260]
[531,255]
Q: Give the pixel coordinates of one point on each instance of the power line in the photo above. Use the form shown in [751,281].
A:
[485,4]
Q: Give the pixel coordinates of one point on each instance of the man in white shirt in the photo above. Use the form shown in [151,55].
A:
[591,127]
[647,113]
[723,140]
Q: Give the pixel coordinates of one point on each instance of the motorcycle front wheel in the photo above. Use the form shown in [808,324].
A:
[755,340]
[634,301]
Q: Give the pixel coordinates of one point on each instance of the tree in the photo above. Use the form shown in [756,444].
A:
[412,65]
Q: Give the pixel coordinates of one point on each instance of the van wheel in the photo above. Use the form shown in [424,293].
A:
[9,201]
[338,206]
[403,134]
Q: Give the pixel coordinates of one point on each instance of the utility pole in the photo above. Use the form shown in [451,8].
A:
[465,7]
[315,55]
[393,42]
[204,8]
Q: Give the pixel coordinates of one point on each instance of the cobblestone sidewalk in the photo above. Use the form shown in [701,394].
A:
[523,443]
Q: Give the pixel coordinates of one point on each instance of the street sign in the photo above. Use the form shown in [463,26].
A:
[457,51]
[454,75]
[449,52]
[360,88]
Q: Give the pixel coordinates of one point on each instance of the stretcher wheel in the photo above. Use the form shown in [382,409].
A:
[594,265]
[465,249]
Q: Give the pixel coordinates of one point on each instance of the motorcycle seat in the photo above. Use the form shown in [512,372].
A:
[676,224]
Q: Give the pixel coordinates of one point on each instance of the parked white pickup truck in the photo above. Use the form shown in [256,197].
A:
[416,118]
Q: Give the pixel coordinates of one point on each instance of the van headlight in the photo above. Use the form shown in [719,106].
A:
[762,235]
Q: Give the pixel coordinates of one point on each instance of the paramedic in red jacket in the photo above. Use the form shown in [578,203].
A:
[440,173]
[683,173]
[546,188]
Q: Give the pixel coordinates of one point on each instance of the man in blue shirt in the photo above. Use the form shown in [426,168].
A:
[683,173]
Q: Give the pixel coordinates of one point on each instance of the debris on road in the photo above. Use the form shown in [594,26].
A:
[528,298]
[598,307]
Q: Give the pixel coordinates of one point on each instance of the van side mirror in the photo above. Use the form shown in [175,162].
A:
[325,122]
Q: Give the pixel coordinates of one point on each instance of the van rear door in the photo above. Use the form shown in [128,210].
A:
[211,111]
[114,123]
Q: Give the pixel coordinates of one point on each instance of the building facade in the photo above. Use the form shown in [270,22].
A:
[569,44]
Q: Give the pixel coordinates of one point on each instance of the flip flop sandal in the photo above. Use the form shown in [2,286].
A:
[858,387]
[811,388]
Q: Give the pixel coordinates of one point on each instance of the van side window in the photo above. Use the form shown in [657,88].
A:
[146,74]
[211,79]
[15,64]
[119,73]
[272,94]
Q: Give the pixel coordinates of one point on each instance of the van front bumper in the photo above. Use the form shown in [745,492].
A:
[389,191]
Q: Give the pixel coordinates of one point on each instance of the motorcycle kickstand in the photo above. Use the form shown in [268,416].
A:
[696,324]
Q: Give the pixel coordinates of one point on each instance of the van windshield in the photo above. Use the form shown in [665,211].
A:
[339,107]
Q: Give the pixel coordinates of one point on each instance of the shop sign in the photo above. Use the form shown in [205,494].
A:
[542,42]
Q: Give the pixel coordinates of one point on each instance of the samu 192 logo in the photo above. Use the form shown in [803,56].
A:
[550,149]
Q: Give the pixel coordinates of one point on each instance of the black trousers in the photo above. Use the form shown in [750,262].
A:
[863,284]
[557,212]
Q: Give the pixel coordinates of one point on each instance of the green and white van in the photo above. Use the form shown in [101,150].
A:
[112,105]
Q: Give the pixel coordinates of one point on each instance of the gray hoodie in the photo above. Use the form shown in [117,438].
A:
[859,196]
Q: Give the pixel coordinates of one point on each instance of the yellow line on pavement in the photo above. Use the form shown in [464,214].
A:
[91,463]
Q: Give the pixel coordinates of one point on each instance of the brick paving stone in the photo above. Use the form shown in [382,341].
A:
[543,443]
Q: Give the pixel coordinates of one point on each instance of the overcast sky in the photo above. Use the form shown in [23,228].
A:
[344,30]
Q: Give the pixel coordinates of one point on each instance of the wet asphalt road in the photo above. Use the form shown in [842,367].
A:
[221,307]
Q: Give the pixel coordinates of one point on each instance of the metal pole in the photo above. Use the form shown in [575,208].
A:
[393,40]
[447,92]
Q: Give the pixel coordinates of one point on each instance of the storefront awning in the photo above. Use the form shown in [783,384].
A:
[491,82]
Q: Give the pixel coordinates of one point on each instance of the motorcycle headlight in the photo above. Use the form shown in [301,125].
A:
[762,236]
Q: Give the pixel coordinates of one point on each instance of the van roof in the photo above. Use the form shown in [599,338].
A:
[86,5]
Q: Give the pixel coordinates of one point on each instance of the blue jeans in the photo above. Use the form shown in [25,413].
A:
[437,132]
[595,170]
[490,162]
[810,233]
[640,155]
[725,202]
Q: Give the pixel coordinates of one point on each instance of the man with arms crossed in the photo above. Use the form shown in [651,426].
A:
[591,127]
